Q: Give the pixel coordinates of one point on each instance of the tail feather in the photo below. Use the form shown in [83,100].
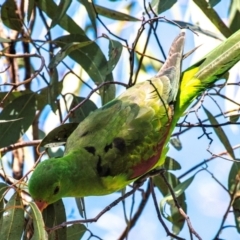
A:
[172,66]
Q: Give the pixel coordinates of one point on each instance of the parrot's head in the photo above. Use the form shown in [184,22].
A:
[45,184]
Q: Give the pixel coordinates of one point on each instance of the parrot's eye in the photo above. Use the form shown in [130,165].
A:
[56,190]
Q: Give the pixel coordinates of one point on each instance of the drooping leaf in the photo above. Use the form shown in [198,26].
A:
[176,143]
[234,190]
[81,113]
[3,189]
[60,11]
[174,217]
[60,217]
[196,28]
[110,13]
[91,13]
[213,3]
[10,16]
[220,133]
[65,51]
[234,15]
[30,9]
[39,227]
[22,108]
[66,22]
[75,232]
[234,118]
[171,164]
[58,136]
[43,95]
[12,219]
[48,215]
[81,207]
[178,190]
[92,60]
[114,54]
[162,5]
[53,89]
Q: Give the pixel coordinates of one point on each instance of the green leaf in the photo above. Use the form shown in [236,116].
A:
[60,11]
[48,215]
[176,143]
[60,217]
[75,232]
[220,133]
[81,113]
[234,15]
[171,164]
[43,96]
[91,13]
[178,190]
[234,118]
[234,188]
[236,211]
[3,189]
[234,175]
[175,217]
[92,60]
[10,16]
[53,89]
[38,224]
[68,48]
[162,5]
[67,23]
[109,13]
[114,54]
[196,28]
[59,135]
[213,3]
[13,219]
[12,96]
[30,9]
[81,207]
[22,108]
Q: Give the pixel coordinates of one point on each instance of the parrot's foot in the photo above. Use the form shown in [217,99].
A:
[152,173]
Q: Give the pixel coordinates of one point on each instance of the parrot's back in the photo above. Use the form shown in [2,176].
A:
[125,137]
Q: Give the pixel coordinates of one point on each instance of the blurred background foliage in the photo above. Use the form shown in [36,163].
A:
[57,59]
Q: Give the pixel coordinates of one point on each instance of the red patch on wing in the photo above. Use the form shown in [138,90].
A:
[145,165]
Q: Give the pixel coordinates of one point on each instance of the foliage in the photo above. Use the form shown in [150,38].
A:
[62,61]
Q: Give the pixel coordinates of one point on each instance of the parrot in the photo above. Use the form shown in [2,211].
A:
[116,144]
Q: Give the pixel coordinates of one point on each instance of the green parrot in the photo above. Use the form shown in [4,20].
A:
[117,143]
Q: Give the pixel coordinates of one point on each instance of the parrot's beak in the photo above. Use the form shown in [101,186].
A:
[41,205]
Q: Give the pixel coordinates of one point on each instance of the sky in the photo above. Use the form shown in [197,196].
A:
[206,200]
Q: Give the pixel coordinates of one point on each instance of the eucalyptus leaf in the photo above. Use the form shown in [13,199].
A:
[220,133]
[82,112]
[75,232]
[12,219]
[23,108]
[10,16]
[38,223]
[59,135]
[60,11]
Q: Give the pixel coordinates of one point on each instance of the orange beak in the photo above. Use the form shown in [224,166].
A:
[41,205]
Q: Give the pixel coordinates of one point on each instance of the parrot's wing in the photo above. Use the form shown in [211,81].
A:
[128,133]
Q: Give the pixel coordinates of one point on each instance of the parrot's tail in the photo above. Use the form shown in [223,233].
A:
[172,66]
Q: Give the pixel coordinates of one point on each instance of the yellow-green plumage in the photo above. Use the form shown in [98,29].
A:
[117,143]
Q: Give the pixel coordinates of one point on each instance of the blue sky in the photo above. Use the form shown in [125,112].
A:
[206,200]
